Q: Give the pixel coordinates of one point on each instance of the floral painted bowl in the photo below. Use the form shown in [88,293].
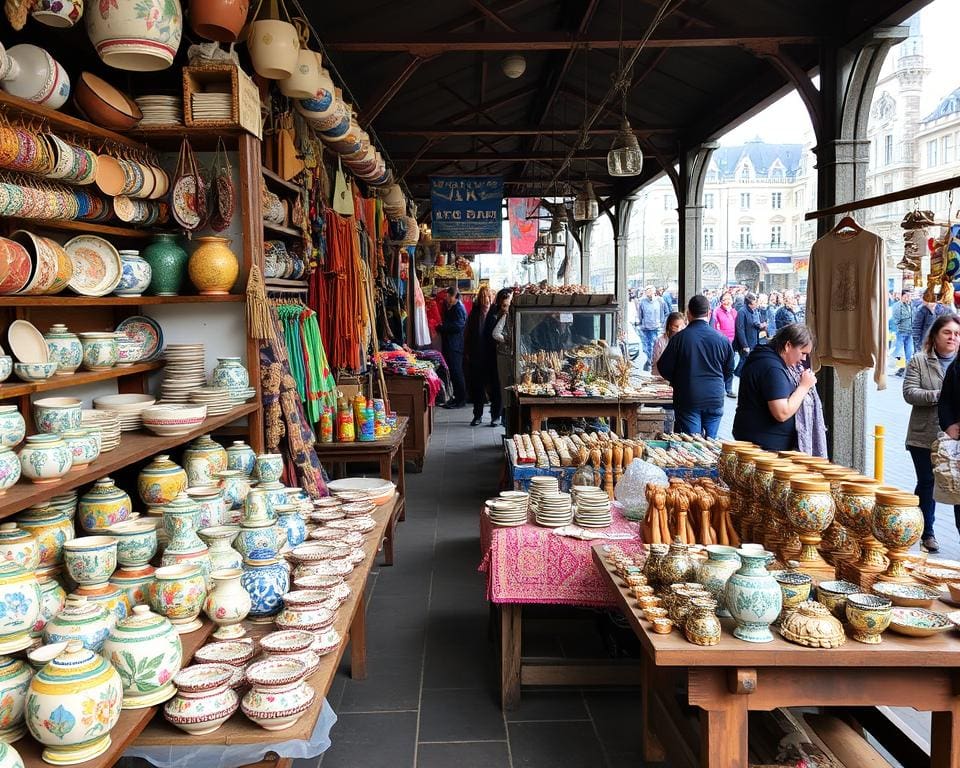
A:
[91,560]
[906,595]
[833,594]
[34,371]
[204,699]
[136,541]
[918,622]
[868,616]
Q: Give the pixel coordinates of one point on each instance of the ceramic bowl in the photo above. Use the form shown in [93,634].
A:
[233,652]
[34,371]
[129,351]
[910,595]
[833,594]
[136,541]
[868,616]
[317,581]
[133,403]
[278,697]
[57,414]
[204,700]
[91,560]
[954,592]
[6,367]
[918,622]
[105,105]
[268,467]
[40,657]
[168,419]
[287,641]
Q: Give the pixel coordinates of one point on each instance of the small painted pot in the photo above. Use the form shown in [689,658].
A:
[161,481]
[292,524]
[795,588]
[263,537]
[228,604]
[230,374]
[34,371]
[721,563]
[305,609]
[6,367]
[99,350]
[146,651]
[103,505]
[45,458]
[136,541]
[202,459]
[15,677]
[52,599]
[52,527]
[833,595]
[178,592]
[20,599]
[241,456]
[64,349]
[204,699]
[278,696]
[266,581]
[91,560]
[129,351]
[108,596]
[79,620]
[12,426]
[235,486]
[868,615]
[84,447]
[135,583]
[219,541]
[10,469]
[212,508]
[57,414]
[135,278]
[257,507]
[20,547]
[269,467]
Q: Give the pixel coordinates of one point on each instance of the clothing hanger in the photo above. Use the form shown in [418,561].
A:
[846,223]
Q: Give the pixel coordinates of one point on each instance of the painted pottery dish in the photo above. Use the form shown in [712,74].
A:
[906,595]
[359,524]
[96,265]
[371,487]
[938,575]
[232,652]
[918,622]
[52,268]
[939,562]
[27,343]
[146,331]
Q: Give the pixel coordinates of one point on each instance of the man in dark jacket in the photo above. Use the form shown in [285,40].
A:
[697,361]
[789,312]
[451,331]
[747,330]
[923,317]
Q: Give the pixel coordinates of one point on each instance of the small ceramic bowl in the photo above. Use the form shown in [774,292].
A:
[648,601]
[642,591]
[833,594]
[662,626]
[57,414]
[40,657]
[136,541]
[129,351]
[287,641]
[91,560]
[654,613]
[232,652]
[868,616]
[6,367]
[35,371]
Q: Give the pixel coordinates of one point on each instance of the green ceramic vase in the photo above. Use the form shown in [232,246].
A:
[168,262]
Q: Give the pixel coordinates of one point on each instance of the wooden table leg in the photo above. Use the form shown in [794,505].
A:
[723,734]
[388,539]
[653,751]
[945,738]
[401,481]
[358,639]
[536,419]
[511,626]
[386,466]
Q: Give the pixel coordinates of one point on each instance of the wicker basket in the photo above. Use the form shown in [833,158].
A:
[220,78]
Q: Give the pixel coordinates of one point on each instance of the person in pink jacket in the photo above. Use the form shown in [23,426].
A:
[724,321]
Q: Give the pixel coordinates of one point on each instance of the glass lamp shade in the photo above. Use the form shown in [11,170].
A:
[625,157]
[585,205]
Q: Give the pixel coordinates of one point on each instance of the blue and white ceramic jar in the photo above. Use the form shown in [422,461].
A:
[80,620]
[99,350]
[241,456]
[6,367]
[230,374]
[12,426]
[136,541]
[714,572]
[57,414]
[276,494]
[65,349]
[269,467]
[84,445]
[136,274]
[202,459]
[10,470]
[290,521]
[45,458]
[753,597]
[235,486]
[259,537]
[266,581]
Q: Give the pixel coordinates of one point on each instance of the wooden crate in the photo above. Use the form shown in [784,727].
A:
[649,421]
[218,78]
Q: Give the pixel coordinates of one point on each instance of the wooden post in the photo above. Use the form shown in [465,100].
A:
[878,439]
[511,625]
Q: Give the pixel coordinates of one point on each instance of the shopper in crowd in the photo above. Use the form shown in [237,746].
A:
[739,297]
[787,314]
[697,362]
[451,332]
[901,315]
[724,320]
[748,328]
[670,297]
[925,388]
[769,395]
[924,314]
[676,322]
[653,314]
[773,306]
[474,364]
[502,334]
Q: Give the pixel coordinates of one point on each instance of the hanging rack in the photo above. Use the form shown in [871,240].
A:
[908,193]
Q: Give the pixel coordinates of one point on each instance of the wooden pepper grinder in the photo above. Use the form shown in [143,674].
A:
[707,534]
[608,471]
[683,511]
[617,464]
[595,460]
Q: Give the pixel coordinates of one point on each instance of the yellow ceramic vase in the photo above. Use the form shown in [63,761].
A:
[213,267]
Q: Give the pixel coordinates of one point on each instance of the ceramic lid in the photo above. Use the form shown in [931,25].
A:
[11,534]
[27,343]
[897,498]
[74,662]
[809,483]
[855,487]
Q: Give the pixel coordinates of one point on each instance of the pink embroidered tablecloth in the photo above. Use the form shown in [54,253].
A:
[531,564]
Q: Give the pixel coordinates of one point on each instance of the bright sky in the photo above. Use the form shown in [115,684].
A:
[786,121]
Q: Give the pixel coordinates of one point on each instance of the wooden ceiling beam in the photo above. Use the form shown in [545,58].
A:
[389,89]
[467,20]
[507,131]
[491,14]
[501,157]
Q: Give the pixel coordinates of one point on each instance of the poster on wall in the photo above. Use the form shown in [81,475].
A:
[524,226]
[466,207]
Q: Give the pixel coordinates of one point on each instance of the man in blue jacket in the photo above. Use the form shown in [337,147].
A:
[697,361]
[451,331]
[923,317]
[747,328]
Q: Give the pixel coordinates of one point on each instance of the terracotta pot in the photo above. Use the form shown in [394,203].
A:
[105,105]
[219,20]
[213,267]
[274,48]
[139,37]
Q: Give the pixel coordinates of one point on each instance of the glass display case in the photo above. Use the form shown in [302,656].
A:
[561,334]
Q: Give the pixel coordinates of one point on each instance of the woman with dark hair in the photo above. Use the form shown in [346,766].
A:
[474,364]
[676,322]
[927,384]
[769,395]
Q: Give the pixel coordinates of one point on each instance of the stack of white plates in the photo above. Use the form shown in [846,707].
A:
[161,110]
[127,408]
[507,512]
[184,372]
[591,507]
[554,510]
[217,399]
[538,486]
[212,106]
[240,396]
[108,422]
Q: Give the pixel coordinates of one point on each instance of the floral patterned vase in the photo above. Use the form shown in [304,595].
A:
[753,597]
[240,456]
[19,606]
[64,349]
[13,428]
[80,620]
[161,481]
[52,527]
[52,599]
[721,563]
[228,604]
[103,505]
[203,459]
[178,592]
[15,676]
[146,650]
[266,581]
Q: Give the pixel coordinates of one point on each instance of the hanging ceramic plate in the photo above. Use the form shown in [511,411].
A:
[27,343]
[146,332]
[96,265]
[185,202]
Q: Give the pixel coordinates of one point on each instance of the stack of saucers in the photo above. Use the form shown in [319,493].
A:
[554,510]
[240,396]
[184,372]
[212,106]
[507,512]
[108,422]
[217,399]
[540,485]
[591,507]
[160,110]
[127,407]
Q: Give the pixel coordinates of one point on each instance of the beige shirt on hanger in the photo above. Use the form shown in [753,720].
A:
[846,305]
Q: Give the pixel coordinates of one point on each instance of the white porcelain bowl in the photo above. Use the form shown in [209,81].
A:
[123,403]
[169,419]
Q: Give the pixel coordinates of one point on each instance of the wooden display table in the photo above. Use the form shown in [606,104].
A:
[410,397]
[383,452]
[622,412]
[728,680]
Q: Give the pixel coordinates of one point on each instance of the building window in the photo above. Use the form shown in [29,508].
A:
[798,199]
[777,174]
[776,200]
[932,153]
[888,149]
[670,237]
[744,201]
[708,238]
[745,174]
[946,148]
[708,199]
[746,239]
[776,237]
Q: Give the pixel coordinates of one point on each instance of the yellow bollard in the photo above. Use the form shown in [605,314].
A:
[878,432]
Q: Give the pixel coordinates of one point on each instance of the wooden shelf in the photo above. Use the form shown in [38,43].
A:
[166,137]
[277,229]
[278,181]
[134,447]
[113,301]
[84,227]
[17,388]
[286,285]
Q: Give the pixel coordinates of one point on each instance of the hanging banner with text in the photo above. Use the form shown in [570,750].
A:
[466,207]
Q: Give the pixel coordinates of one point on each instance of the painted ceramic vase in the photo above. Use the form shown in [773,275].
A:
[84,447]
[897,523]
[203,459]
[80,620]
[213,267]
[677,566]
[136,274]
[146,651]
[855,508]
[204,699]
[52,599]
[52,527]
[292,524]
[269,467]
[136,541]
[12,426]
[64,348]
[19,546]
[257,507]
[129,351]
[45,458]
[19,606]
[33,74]
[10,469]
[276,495]
[167,262]
[266,582]
[219,541]
[108,596]
[178,592]
[15,677]
[868,616]
[753,597]
[702,627]
[278,696]
[213,509]
[810,511]
[305,609]
[721,563]
[181,519]
[161,481]
[651,566]
[91,560]
[9,757]
[235,486]
[240,456]
[135,583]
[137,37]
[727,461]
[102,506]
[260,536]
[99,350]
[228,604]
[230,374]
[72,705]
[56,414]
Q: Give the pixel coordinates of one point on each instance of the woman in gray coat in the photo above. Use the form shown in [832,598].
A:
[921,389]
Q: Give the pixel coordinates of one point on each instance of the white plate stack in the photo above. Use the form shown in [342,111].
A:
[184,372]
[127,407]
[108,422]
[160,110]
[212,106]
[508,511]
[540,485]
[591,507]
[554,510]
[217,399]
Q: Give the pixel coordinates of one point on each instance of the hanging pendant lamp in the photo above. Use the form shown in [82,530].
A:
[625,157]
[585,205]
